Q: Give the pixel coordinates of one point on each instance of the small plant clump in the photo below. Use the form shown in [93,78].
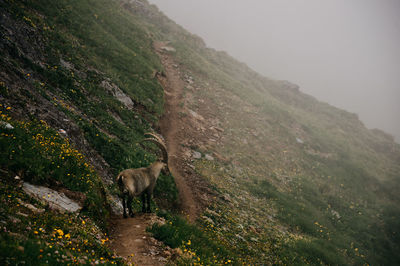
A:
[199,245]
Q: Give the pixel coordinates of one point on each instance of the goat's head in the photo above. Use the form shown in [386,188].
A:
[160,143]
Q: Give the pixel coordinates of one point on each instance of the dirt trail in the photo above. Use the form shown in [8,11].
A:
[129,238]
[131,241]
[170,125]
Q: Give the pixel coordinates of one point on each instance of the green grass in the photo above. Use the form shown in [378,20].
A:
[106,38]
[310,210]
[37,153]
[48,237]
[40,156]
[199,245]
[100,41]
[289,192]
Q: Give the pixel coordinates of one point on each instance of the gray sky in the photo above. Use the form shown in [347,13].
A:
[344,52]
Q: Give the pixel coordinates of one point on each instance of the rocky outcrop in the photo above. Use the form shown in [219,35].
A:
[117,93]
[168,49]
[54,199]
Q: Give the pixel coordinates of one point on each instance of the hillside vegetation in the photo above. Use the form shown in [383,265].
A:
[297,181]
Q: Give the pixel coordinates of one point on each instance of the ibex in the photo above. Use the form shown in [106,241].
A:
[141,181]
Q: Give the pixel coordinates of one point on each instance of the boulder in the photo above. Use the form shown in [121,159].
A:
[66,64]
[56,200]
[6,125]
[196,155]
[168,49]
[209,157]
[118,93]
[115,204]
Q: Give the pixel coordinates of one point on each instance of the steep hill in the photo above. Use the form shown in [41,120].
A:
[264,173]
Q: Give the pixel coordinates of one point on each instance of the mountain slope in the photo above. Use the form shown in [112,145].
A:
[324,175]
[277,176]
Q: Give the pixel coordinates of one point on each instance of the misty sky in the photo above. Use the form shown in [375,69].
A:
[344,52]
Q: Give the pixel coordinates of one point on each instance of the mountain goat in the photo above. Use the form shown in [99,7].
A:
[141,181]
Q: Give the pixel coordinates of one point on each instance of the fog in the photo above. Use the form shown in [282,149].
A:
[344,52]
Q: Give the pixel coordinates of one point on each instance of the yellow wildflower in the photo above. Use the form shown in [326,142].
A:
[60,232]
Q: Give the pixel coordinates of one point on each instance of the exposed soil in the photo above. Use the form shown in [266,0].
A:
[181,131]
[170,125]
[131,241]
[129,238]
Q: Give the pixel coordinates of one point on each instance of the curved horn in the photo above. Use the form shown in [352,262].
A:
[157,137]
[162,147]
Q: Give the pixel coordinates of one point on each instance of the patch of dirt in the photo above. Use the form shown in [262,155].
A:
[129,237]
[130,240]
[182,130]
[170,126]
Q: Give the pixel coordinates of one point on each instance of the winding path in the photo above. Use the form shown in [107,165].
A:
[129,238]
[170,124]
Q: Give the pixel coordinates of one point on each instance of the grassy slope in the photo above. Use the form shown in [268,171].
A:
[99,41]
[288,192]
[29,236]
[335,194]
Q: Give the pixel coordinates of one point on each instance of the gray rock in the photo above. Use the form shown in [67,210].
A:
[196,155]
[208,219]
[118,93]
[209,157]
[22,214]
[196,115]
[66,64]
[240,237]
[62,131]
[30,207]
[336,214]
[115,204]
[214,213]
[226,197]
[55,200]
[6,125]
[168,49]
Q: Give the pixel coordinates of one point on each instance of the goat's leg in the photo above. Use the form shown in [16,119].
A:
[124,205]
[130,198]
[143,202]
[148,194]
